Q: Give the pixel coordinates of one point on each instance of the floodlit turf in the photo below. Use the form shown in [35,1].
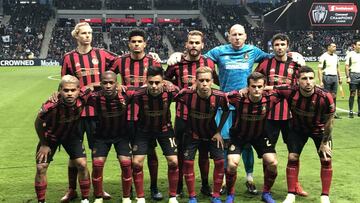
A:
[23,89]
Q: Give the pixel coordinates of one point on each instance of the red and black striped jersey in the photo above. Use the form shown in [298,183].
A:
[154,114]
[60,120]
[310,114]
[87,68]
[133,73]
[202,111]
[111,114]
[249,117]
[183,74]
[279,73]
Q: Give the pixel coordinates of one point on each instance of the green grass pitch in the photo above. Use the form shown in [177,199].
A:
[24,89]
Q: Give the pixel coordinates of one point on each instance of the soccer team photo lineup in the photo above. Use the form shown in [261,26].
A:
[216,101]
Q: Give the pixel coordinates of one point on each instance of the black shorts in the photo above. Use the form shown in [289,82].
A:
[330,83]
[274,127]
[73,146]
[102,147]
[297,140]
[88,126]
[145,140]
[262,145]
[191,145]
[354,81]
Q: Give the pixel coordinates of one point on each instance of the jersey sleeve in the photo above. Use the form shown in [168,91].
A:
[170,73]
[233,97]
[261,55]
[348,59]
[321,61]
[213,54]
[181,96]
[66,66]
[224,103]
[116,65]
[261,67]
[110,58]
[283,91]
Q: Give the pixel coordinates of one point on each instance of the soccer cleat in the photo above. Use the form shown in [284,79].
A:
[215,200]
[299,190]
[266,197]
[173,200]
[251,188]
[351,114]
[290,198]
[99,200]
[230,199]
[140,200]
[84,201]
[69,195]
[179,192]
[106,196]
[126,200]
[155,194]
[192,200]
[206,190]
[324,199]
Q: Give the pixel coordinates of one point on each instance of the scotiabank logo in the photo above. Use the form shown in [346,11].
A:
[332,14]
[342,8]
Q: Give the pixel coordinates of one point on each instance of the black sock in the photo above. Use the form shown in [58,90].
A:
[351,103]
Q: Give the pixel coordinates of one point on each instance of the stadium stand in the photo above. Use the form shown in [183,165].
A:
[22,36]
[128,4]
[78,5]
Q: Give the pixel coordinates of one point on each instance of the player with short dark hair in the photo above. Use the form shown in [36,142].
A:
[313,111]
[110,106]
[352,71]
[202,104]
[279,70]
[133,68]
[57,124]
[183,74]
[86,63]
[329,72]
[154,123]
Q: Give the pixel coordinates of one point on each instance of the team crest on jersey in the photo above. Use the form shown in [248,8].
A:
[246,56]
[77,64]
[272,70]
[95,61]
[290,70]
[232,148]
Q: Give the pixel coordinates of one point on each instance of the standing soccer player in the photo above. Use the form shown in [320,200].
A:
[155,124]
[313,111]
[328,70]
[111,129]
[87,64]
[280,70]
[183,75]
[352,70]
[202,104]
[57,124]
[133,68]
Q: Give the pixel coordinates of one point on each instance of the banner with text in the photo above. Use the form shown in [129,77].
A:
[332,14]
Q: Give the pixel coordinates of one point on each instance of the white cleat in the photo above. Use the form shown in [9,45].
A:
[99,200]
[173,200]
[84,201]
[290,198]
[324,199]
[126,200]
[140,200]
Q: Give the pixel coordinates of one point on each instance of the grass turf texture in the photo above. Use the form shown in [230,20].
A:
[24,89]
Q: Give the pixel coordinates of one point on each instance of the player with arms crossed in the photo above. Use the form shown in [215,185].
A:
[57,124]
[352,71]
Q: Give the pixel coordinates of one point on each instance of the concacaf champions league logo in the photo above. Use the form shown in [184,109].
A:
[319,14]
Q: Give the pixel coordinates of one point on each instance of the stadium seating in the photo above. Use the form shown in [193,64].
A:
[78,5]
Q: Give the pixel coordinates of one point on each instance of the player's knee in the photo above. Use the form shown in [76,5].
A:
[41,168]
[172,162]
[81,164]
[137,163]
[232,165]
[293,157]
[352,93]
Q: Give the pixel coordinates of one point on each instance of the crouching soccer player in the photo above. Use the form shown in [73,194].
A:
[155,124]
[202,104]
[58,124]
[110,106]
[313,111]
